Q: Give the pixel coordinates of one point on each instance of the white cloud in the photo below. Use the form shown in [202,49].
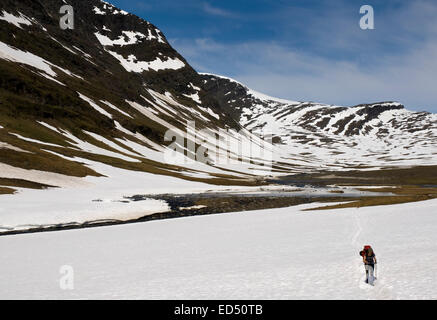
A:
[208,8]
[337,62]
[279,71]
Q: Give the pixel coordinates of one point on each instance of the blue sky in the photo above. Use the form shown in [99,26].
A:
[312,50]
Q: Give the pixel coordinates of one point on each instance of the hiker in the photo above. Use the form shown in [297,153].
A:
[369,259]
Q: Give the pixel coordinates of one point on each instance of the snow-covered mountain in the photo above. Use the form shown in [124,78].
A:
[107,91]
[89,110]
[380,134]
[89,127]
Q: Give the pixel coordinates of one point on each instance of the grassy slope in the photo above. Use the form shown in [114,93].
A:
[6,190]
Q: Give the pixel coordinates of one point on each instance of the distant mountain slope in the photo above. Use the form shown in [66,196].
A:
[379,134]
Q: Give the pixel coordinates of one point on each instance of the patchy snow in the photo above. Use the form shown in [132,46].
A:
[62,45]
[194,87]
[120,12]
[115,108]
[132,36]
[50,127]
[91,148]
[192,207]
[113,145]
[139,136]
[84,53]
[98,11]
[152,116]
[131,64]
[5,145]
[264,254]
[9,53]
[17,21]
[159,37]
[160,106]
[95,106]
[195,97]
[44,177]
[35,140]
[263,96]
[15,55]
[318,136]
[50,78]
[104,40]
[210,112]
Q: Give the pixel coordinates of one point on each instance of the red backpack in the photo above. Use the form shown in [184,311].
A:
[364,251]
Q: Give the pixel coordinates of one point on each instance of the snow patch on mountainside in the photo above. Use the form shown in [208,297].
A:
[43,177]
[98,11]
[15,55]
[17,21]
[12,54]
[4,145]
[133,38]
[108,8]
[95,106]
[116,109]
[34,140]
[131,64]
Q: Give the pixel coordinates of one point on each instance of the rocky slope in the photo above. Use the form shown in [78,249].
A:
[106,91]
[369,135]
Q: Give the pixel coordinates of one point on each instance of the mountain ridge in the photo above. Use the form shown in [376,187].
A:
[98,109]
[132,57]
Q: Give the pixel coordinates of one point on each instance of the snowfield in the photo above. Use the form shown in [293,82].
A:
[15,20]
[267,254]
[80,200]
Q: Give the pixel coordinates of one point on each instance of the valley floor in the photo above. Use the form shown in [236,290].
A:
[280,253]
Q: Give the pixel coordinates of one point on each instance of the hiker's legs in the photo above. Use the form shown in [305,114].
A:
[371,277]
[367,272]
